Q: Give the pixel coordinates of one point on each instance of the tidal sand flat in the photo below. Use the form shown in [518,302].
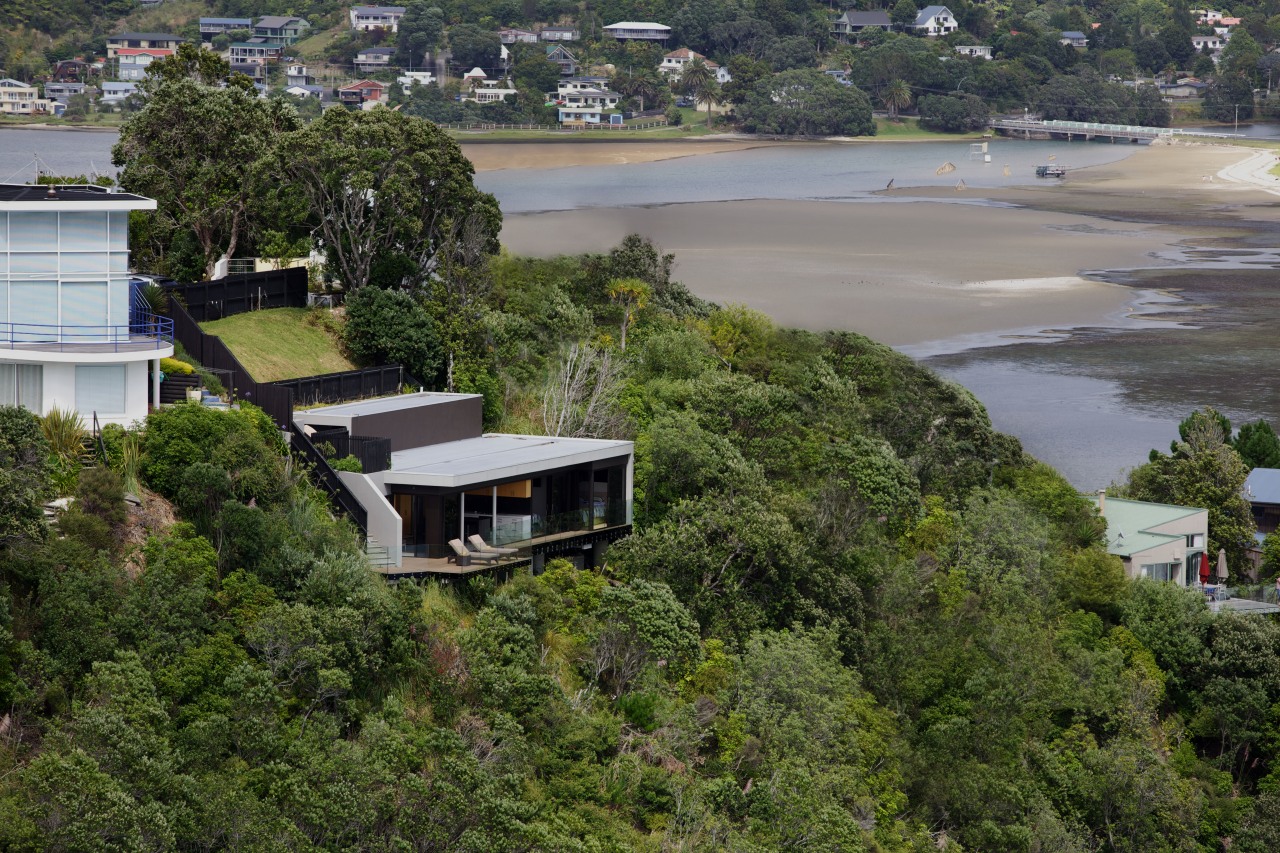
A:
[904,273]
[491,156]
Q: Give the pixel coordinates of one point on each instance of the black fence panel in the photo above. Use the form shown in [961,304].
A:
[236,294]
[374,452]
[327,479]
[211,352]
[348,385]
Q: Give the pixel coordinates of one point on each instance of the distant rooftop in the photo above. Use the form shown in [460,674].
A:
[1129,523]
[145,37]
[1263,486]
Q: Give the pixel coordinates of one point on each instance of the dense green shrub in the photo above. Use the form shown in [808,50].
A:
[389,326]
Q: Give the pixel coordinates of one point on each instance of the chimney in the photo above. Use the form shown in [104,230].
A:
[1102,501]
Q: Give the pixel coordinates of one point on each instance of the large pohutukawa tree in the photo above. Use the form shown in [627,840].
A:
[382,185]
[203,153]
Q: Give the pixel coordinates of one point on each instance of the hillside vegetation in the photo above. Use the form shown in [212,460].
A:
[281,343]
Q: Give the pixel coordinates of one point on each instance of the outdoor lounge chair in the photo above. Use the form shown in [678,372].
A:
[478,544]
[460,551]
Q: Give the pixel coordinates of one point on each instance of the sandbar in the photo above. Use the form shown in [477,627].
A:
[491,156]
[917,272]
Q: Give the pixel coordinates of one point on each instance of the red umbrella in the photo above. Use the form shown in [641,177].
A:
[1204,567]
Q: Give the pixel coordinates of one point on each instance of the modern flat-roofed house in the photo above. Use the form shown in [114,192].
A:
[1155,541]
[981,51]
[160,41]
[559,34]
[638,31]
[210,27]
[532,495]
[560,55]
[280,29]
[376,17]
[19,99]
[408,78]
[257,51]
[374,59]
[72,334]
[1213,42]
[132,62]
[847,27]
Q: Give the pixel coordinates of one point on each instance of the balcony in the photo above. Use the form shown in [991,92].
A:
[144,333]
[520,537]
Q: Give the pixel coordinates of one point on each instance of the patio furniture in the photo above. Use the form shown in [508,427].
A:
[463,557]
[478,544]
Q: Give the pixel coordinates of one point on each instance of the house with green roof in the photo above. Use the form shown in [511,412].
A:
[1155,541]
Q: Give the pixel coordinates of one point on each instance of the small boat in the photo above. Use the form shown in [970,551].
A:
[1051,171]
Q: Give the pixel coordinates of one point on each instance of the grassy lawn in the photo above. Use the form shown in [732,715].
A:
[278,344]
[908,127]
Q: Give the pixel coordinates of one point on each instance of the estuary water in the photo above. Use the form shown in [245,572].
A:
[1092,403]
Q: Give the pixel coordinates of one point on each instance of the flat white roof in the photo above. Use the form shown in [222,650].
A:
[397,403]
[495,456]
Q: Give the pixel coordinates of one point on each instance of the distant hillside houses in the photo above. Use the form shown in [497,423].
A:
[136,41]
[281,29]
[846,27]
[365,18]
[935,21]
[211,27]
[638,31]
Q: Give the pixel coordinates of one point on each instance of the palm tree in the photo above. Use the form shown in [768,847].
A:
[896,95]
[640,85]
[697,81]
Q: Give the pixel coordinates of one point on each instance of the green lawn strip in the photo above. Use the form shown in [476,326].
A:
[278,344]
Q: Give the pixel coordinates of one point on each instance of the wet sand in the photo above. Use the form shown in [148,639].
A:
[931,276]
[491,156]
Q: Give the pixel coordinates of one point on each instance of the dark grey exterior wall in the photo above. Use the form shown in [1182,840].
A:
[425,425]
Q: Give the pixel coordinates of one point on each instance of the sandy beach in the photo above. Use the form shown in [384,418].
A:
[914,271]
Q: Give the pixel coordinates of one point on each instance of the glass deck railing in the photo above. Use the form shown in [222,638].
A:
[523,533]
[150,332]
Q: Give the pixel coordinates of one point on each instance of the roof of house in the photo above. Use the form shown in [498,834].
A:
[10,83]
[376,51]
[275,22]
[125,86]
[637,25]
[379,10]
[1129,524]
[1263,486]
[683,53]
[929,12]
[557,29]
[248,22]
[363,84]
[877,18]
[559,48]
[76,192]
[145,37]
[1073,34]
[496,457]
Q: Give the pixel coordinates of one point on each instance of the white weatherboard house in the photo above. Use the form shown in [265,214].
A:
[71,336]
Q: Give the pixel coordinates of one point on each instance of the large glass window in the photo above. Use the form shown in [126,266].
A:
[22,385]
[100,388]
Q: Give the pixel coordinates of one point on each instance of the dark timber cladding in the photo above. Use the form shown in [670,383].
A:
[435,424]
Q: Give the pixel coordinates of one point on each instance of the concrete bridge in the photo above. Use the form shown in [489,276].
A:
[1038,129]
